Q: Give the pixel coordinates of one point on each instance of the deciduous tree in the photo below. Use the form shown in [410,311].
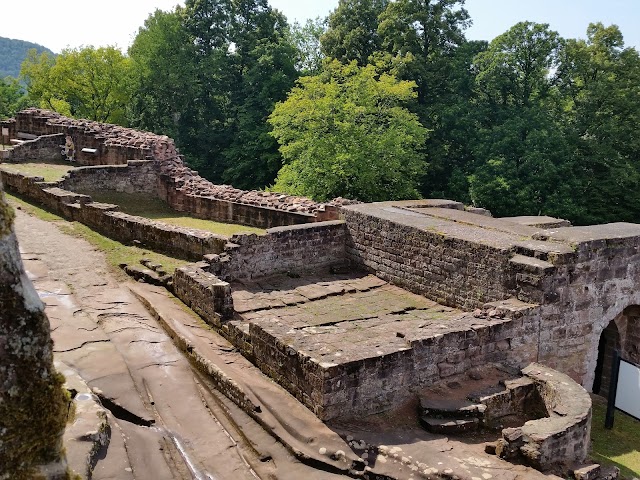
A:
[346,133]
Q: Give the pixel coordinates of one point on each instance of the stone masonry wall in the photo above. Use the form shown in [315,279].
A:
[590,289]
[294,249]
[106,219]
[449,271]
[136,176]
[47,147]
[560,440]
[374,384]
[579,290]
[204,293]
[182,188]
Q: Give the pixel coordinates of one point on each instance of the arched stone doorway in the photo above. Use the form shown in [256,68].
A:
[623,334]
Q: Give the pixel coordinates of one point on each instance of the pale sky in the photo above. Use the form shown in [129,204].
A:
[57,24]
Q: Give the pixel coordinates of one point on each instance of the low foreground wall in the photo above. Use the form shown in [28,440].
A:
[136,176]
[46,147]
[105,218]
[204,293]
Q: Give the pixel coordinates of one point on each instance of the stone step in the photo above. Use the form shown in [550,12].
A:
[448,426]
[479,396]
[450,408]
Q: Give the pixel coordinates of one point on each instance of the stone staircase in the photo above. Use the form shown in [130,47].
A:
[450,416]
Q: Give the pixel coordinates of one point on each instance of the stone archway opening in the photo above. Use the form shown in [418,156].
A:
[609,342]
[623,334]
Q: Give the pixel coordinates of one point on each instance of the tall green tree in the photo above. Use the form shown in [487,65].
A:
[263,64]
[210,74]
[87,82]
[306,39]
[599,80]
[166,92]
[352,32]
[423,41]
[521,153]
[346,133]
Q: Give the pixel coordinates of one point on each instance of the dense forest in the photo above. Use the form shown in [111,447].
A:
[382,100]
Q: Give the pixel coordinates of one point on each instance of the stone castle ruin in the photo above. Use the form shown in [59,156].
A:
[357,308]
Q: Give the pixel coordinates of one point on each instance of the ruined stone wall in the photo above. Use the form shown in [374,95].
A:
[46,147]
[294,249]
[182,188]
[33,405]
[589,290]
[230,211]
[449,271]
[375,384]
[562,439]
[204,293]
[136,176]
[106,219]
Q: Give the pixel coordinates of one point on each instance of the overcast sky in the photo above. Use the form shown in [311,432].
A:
[57,24]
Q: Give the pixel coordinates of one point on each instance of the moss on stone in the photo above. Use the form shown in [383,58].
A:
[6,216]
[33,419]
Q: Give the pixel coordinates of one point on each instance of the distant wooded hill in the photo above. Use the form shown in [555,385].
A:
[13,52]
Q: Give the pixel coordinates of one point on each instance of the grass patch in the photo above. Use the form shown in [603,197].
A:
[17,202]
[51,171]
[619,446]
[116,252]
[153,208]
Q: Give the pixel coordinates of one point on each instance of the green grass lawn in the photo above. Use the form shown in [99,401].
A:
[146,206]
[51,171]
[619,446]
[116,252]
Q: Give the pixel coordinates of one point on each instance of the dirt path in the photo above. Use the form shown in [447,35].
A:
[105,335]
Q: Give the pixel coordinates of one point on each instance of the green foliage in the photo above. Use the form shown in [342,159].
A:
[91,83]
[209,76]
[353,31]
[12,54]
[600,85]
[306,39]
[12,97]
[521,152]
[345,133]
[165,94]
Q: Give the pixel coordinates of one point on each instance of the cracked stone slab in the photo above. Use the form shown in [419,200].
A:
[88,430]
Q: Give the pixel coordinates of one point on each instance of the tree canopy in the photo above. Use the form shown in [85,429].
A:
[345,133]
[12,54]
[88,82]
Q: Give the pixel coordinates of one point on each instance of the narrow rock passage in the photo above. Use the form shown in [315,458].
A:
[159,426]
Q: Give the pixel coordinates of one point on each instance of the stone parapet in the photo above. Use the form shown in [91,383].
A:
[46,147]
[183,242]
